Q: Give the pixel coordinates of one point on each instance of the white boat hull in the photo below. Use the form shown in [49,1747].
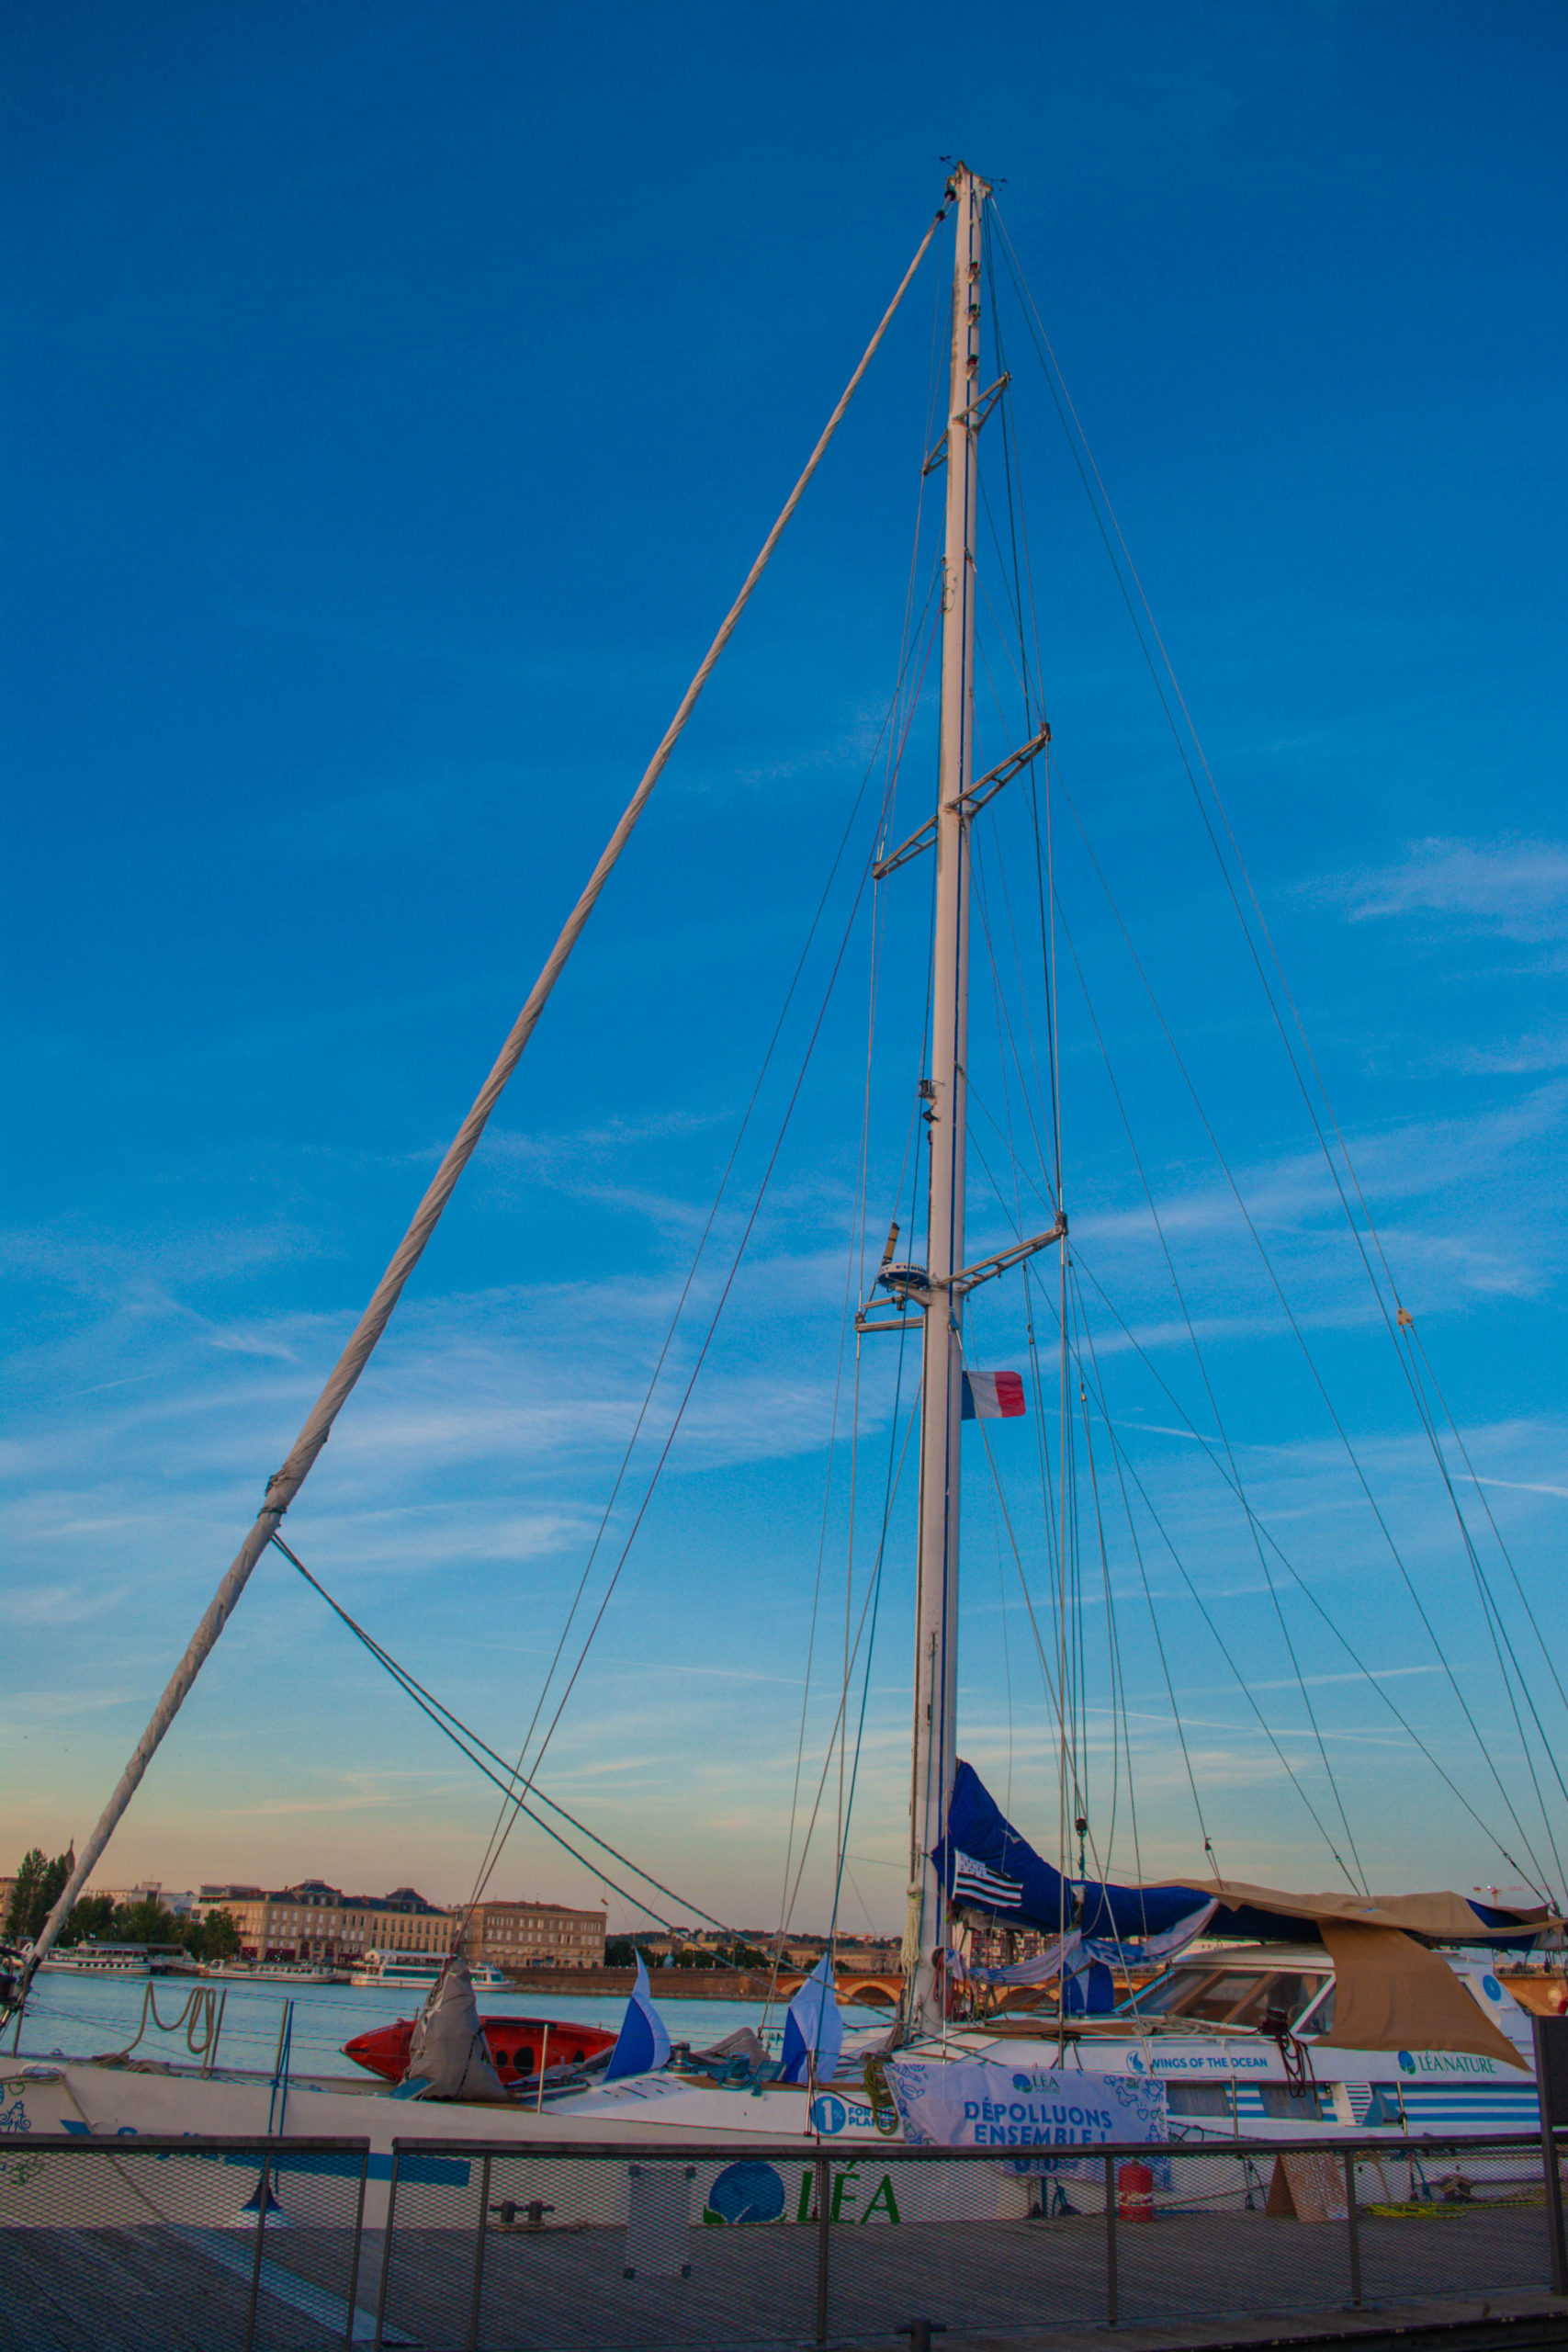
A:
[1443,2096]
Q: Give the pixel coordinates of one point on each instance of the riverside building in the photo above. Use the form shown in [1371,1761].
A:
[314,1921]
[534,1935]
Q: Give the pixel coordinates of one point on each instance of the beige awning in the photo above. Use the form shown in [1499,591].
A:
[1446,1916]
[1391,1993]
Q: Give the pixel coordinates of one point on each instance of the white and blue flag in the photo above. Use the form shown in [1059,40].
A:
[813,2032]
[643,2045]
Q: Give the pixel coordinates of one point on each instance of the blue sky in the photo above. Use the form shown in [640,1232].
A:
[396,398]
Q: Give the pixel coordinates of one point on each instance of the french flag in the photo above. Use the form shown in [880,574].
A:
[993,1396]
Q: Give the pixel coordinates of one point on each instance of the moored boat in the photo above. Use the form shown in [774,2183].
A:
[393,1969]
[520,2048]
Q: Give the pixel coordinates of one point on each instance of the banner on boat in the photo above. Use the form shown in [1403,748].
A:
[954,2103]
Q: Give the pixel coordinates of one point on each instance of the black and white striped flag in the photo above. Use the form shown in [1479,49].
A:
[977,1883]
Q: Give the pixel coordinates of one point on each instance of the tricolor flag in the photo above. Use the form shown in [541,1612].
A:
[993,1396]
[977,1883]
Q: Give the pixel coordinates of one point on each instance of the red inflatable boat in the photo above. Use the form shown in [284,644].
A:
[516,2045]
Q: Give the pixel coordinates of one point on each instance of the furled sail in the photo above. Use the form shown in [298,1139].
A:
[988,1868]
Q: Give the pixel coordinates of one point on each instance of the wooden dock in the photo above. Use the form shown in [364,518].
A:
[1191,2282]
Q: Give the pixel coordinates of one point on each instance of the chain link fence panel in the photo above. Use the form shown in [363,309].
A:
[119,2246]
[157,2245]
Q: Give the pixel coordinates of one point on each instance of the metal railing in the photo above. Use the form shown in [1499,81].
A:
[281,2245]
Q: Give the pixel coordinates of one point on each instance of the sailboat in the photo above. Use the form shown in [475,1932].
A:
[1244,2011]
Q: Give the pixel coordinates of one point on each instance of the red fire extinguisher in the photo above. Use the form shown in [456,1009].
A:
[1136,2192]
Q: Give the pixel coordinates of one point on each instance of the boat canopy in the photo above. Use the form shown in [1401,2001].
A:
[988,1868]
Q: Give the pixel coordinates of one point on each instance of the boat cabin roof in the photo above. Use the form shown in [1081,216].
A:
[1259,1956]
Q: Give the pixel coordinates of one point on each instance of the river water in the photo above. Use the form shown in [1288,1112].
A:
[85,2017]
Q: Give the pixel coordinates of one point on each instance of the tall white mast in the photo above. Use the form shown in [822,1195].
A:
[936,1660]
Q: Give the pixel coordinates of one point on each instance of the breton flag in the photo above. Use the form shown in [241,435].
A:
[977,1883]
[992,1396]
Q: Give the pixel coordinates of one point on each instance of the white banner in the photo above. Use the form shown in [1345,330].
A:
[970,2103]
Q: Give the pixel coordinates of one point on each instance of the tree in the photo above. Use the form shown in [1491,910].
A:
[220,1936]
[146,1922]
[93,1918]
[620,1952]
[39,1887]
[24,1892]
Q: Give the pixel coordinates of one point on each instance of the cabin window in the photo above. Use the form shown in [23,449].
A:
[1288,1991]
[1284,2105]
[1295,1994]
[1321,2019]
[1171,1994]
[1198,2099]
[1227,1997]
[1219,1998]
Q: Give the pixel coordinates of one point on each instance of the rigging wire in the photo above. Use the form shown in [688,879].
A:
[999,1502]
[1070,1595]
[1103,1856]
[898,743]
[1007,1035]
[1018,527]
[847,1807]
[1368,1674]
[1359,1873]
[1109,1615]
[1501,1639]
[1397,1322]
[476,1751]
[1091,1369]
[712,1328]
[502,1830]
[1418,1348]
[866,1607]
[1298,1334]
[1159,1644]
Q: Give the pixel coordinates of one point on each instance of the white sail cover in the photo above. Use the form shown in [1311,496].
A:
[448,2057]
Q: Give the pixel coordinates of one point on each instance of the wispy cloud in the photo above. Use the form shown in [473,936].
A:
[1517,889]
[1508,1247]
[1524,1056]
[59,1604]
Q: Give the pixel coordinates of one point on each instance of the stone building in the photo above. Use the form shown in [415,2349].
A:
[314,1921]
[534,1935]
